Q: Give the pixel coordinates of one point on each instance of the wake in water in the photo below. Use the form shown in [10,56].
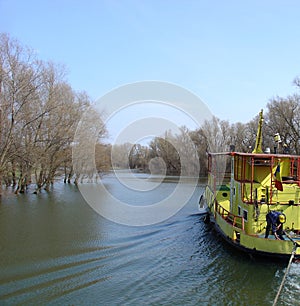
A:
[60,252]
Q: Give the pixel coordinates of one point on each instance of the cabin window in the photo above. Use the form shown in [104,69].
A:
[239,210]
[245,215]
[262,162]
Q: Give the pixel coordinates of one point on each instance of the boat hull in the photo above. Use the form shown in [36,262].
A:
[243,189]
[251,245]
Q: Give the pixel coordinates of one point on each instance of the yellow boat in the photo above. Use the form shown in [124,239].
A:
[243,188]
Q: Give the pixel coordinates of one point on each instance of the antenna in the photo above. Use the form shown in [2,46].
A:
[258,143]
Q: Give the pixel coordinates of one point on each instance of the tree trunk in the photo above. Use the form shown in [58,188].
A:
[0,183]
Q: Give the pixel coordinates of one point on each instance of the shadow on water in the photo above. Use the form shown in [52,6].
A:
[55,249]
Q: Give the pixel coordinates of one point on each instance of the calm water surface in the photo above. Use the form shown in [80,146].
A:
[55,250]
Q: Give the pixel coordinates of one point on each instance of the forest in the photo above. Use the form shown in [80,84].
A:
[282,116]
[40,112]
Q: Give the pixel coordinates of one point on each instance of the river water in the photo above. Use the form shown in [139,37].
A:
[56,250]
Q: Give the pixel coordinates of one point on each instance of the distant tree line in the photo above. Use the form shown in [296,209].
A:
[282,115]
[39,113]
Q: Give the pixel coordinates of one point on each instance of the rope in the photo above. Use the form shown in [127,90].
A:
[285,274]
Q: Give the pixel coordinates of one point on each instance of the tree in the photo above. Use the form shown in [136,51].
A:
[120,155]
[20,79]
[188,153]
[103,157]
[217,134]
[90,130]
[284,118]
[39,115]
[163,148]
[199,139]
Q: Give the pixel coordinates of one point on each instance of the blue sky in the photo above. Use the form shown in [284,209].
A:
[235,55]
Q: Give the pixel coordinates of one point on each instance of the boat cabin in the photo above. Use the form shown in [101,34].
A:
[246,186]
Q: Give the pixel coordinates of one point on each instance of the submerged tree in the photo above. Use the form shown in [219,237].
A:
[20,79]
[39,114]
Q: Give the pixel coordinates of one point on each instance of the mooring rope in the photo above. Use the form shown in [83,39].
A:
[286,273]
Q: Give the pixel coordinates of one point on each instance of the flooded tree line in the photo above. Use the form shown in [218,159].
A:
[40,113]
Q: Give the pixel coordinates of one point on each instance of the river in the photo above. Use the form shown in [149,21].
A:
[56,250]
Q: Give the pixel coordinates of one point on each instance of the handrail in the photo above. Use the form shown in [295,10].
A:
[229,217]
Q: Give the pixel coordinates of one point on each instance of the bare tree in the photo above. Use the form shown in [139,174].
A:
[164,149]
[217,135]
[284,118]
[39,115]
[120,155]
[19,81]
[89,131]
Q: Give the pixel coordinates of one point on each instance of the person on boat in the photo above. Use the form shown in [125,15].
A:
[275,220]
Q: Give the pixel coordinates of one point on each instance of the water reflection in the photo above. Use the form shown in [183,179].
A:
[55,249]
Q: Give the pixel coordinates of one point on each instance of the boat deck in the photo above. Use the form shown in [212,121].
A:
[295,238]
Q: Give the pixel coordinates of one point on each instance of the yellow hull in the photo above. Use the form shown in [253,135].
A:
[243,188]
[239,201]
[254,244]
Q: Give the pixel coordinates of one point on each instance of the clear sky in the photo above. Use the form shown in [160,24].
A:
[235,55]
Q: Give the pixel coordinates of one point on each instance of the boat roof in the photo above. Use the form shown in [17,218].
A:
[257,155]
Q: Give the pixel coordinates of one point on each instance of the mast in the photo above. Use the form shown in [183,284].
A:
[258,143]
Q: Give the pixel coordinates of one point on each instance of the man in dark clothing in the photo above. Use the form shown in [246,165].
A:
[275,220]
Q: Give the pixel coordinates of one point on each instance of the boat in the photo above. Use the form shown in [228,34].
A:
[242,188]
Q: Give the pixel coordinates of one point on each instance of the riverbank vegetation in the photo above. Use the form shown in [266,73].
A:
[40,112]
[282,116]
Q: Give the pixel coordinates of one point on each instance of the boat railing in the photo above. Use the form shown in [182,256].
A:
[290,196]
[234,220]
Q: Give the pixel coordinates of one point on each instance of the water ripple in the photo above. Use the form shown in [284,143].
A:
[62,253]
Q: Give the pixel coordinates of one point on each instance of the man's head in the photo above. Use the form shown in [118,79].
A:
[281,218]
